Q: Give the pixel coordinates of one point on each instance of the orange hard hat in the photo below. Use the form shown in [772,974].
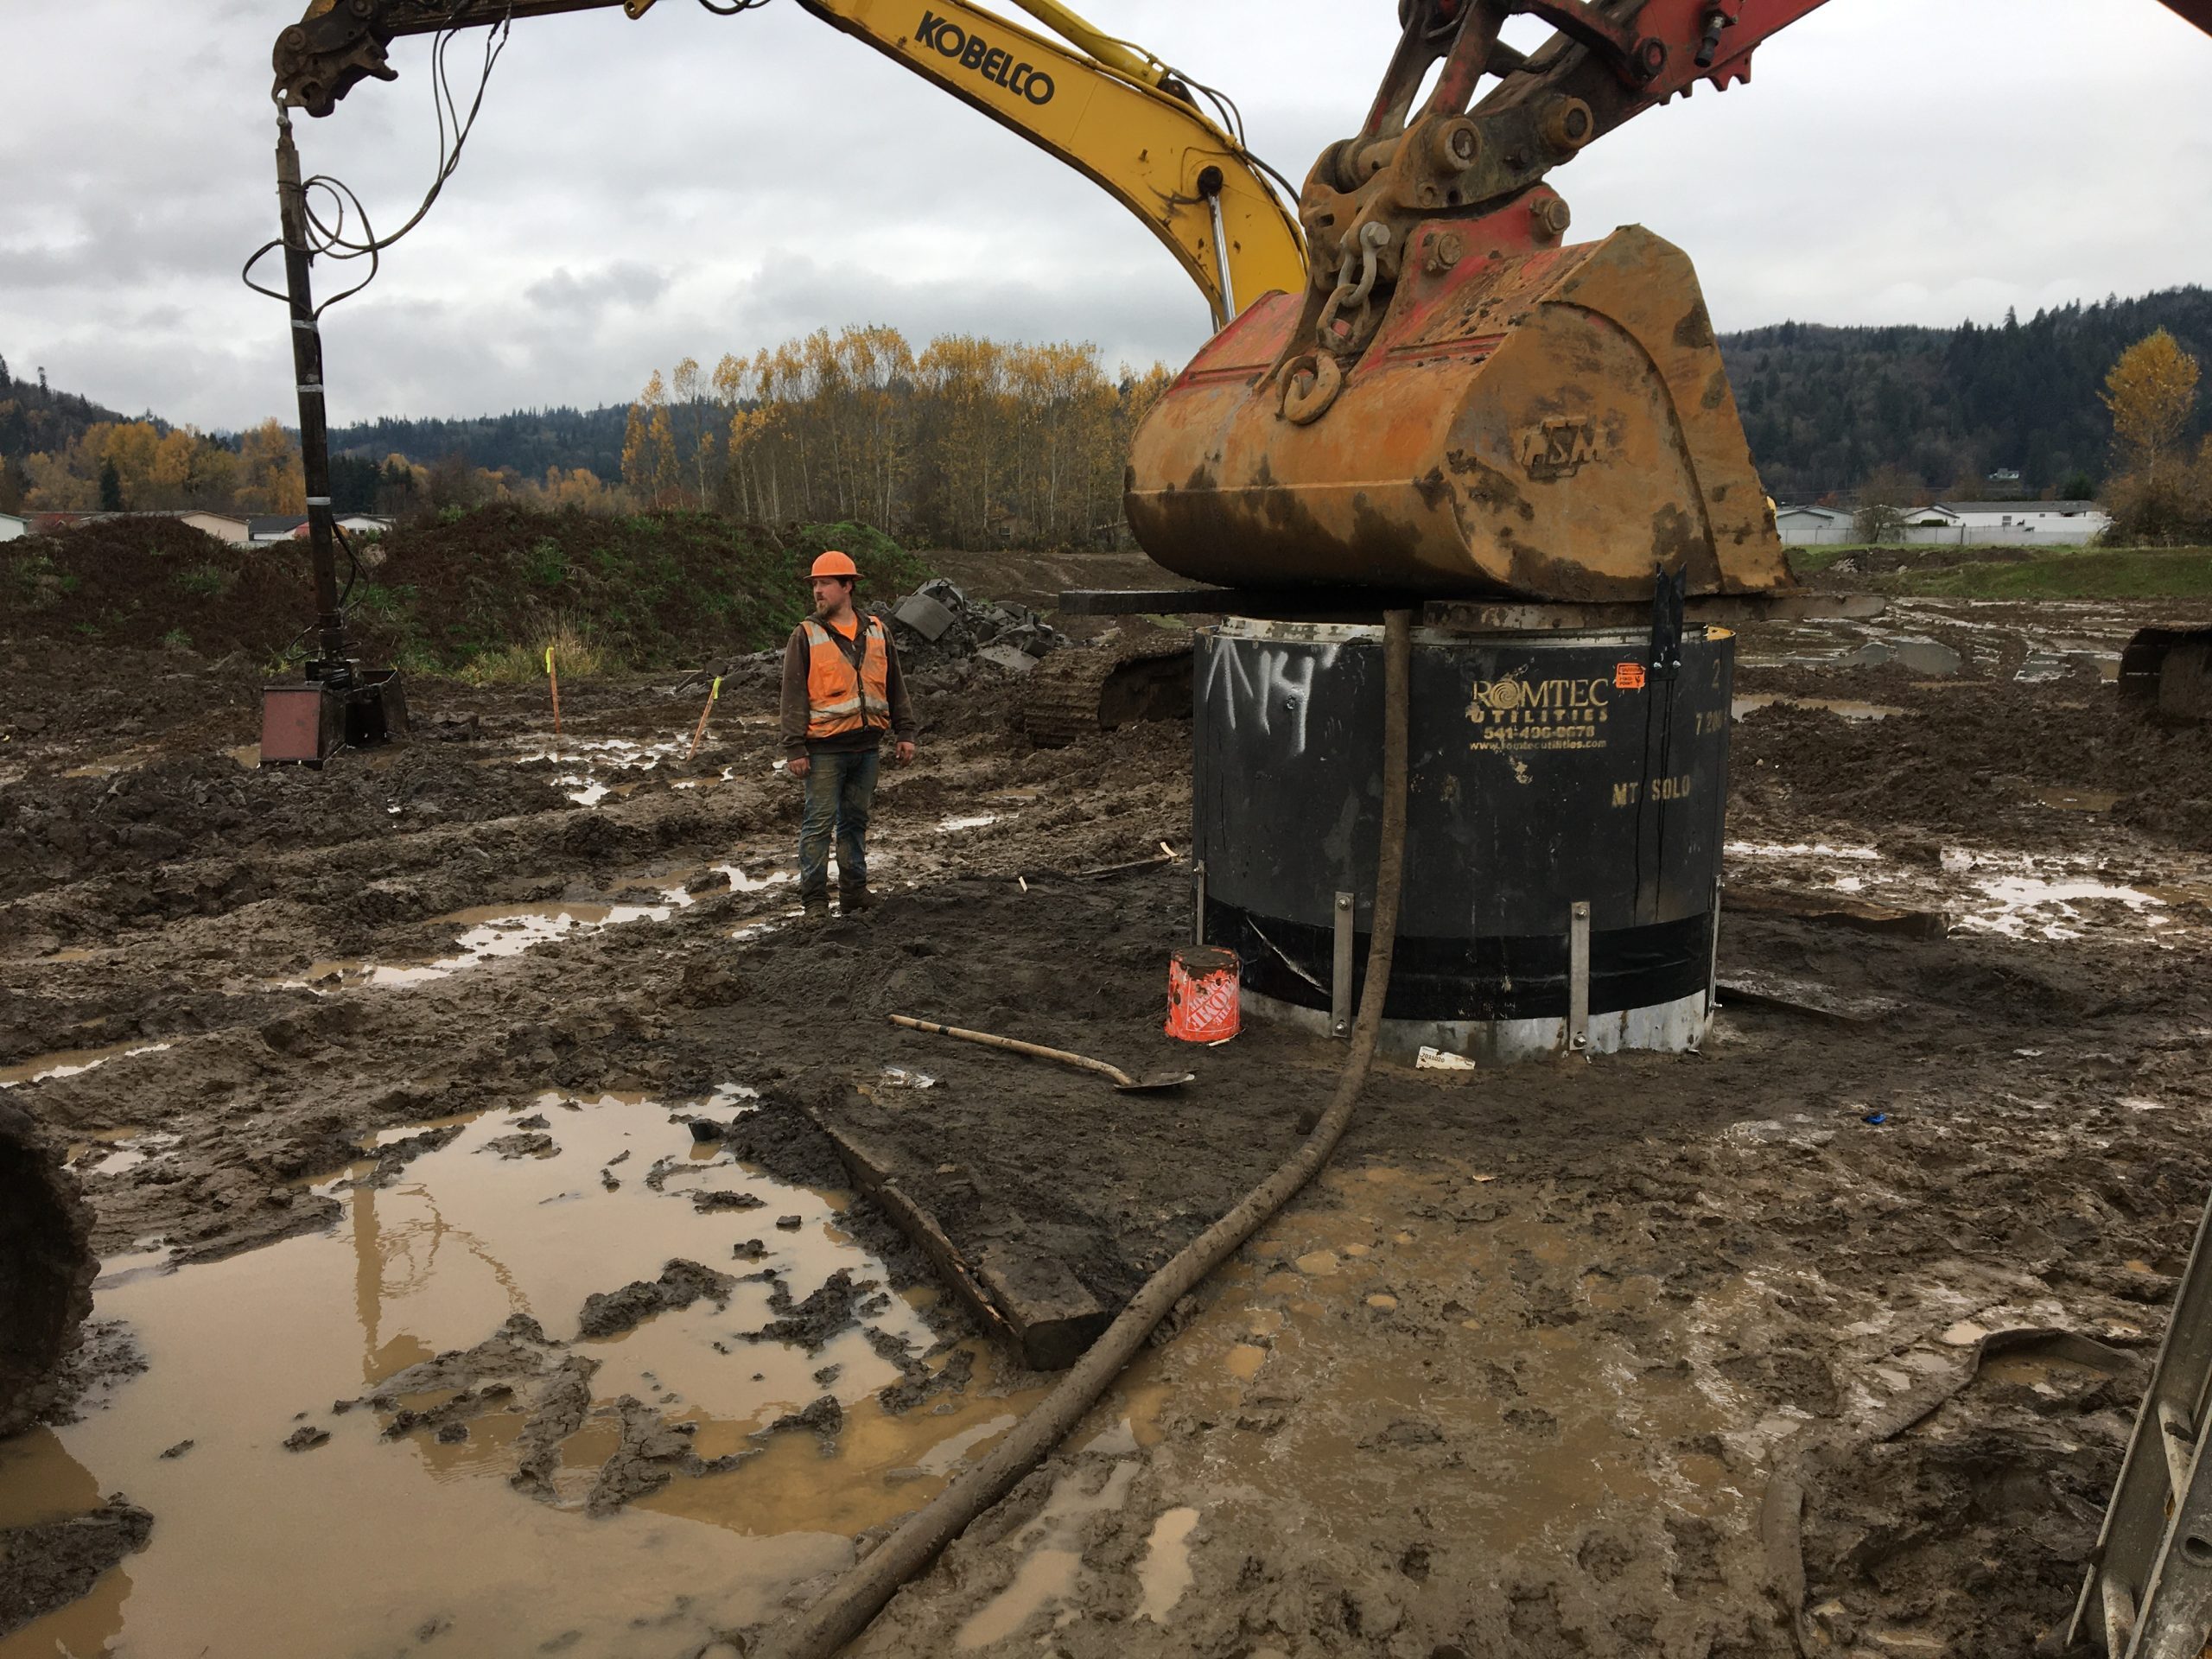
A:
[834,564]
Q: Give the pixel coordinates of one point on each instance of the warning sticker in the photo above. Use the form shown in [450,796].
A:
[1628,676]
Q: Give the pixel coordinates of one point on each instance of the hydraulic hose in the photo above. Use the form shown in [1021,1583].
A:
[843,1611]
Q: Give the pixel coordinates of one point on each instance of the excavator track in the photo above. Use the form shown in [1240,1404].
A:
[47,1268]
[1117,680]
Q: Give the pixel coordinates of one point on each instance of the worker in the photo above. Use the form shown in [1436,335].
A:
[842,690]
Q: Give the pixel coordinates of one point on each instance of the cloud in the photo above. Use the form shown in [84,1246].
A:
[691,185]
[626,282]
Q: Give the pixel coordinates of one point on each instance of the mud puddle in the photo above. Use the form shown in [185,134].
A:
[2018,895]
[593,769]
[372,1531]
[2025,898]
[69,1062]
[1845,707]
[487,933]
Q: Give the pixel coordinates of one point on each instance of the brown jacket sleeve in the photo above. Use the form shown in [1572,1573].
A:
[794,705]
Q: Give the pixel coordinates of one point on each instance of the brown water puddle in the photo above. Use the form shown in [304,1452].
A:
[362,1544]
[2079,800]
[69,1062]
[488,933]
[1847,708]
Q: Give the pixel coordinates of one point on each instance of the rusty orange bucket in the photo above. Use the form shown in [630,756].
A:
[1202,995]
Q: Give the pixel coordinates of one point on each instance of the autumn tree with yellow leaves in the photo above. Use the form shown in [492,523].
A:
[2161,496]
[2152,392]
[649,464]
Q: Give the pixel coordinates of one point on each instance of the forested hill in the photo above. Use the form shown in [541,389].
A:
[529,440]
[1823,407]
[34,419]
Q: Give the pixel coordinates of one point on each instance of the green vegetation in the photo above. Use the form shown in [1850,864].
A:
[2084,573]
[1825,407]
[480,595]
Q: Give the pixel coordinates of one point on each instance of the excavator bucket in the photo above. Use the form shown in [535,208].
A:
[1549,423]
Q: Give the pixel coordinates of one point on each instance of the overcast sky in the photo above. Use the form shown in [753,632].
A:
[687,183]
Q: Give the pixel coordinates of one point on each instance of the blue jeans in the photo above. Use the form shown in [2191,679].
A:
[840,790]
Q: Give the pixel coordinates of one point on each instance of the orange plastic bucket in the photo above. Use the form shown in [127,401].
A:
[1201,998]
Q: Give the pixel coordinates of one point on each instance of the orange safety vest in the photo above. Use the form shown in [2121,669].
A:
[839,697]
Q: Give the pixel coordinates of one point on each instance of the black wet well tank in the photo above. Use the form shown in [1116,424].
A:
[1548,771]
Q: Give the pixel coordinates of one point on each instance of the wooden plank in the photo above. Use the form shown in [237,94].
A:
[1810,996]
[1027,1297]
[1838,910]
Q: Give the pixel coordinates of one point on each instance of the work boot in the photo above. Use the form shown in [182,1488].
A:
[816,907]
[852,900]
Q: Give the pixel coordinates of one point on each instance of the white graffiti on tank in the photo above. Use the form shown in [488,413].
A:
[1268,687]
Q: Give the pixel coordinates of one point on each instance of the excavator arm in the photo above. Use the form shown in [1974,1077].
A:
[1110,110]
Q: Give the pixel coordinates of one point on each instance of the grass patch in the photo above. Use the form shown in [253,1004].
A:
[575,653]
[2085,573]
[206,580]
[1811,560]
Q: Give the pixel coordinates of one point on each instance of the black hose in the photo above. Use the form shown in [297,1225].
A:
[844,1612]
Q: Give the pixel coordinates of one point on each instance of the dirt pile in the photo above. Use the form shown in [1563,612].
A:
[653,590]
[649,590]
[47,1268]
[143,583]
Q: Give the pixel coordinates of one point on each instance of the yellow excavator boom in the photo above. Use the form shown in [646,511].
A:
[1116,115]
[1110,109]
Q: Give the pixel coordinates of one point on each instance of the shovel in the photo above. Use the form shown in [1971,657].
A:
[1121,1079]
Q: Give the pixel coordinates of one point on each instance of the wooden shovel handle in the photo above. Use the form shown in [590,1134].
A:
[1015,1046]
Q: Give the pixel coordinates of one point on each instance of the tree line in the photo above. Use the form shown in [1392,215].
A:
[969,442]
[972,440]
[1825,408]
[121,465]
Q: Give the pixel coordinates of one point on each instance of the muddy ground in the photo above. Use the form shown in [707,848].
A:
[1826,1338]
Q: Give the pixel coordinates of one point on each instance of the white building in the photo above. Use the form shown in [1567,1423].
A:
[265,528]
[1813,526]
[12,526]
[222,526]
[1957,523]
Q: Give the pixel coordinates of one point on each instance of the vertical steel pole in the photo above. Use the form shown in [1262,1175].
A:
[315,426]
[1578,976]
[1340,971]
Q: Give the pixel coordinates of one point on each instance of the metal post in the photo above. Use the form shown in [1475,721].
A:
[1578,977]
[1340,976]
[314,430]
[1197,901]
[1713,953]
